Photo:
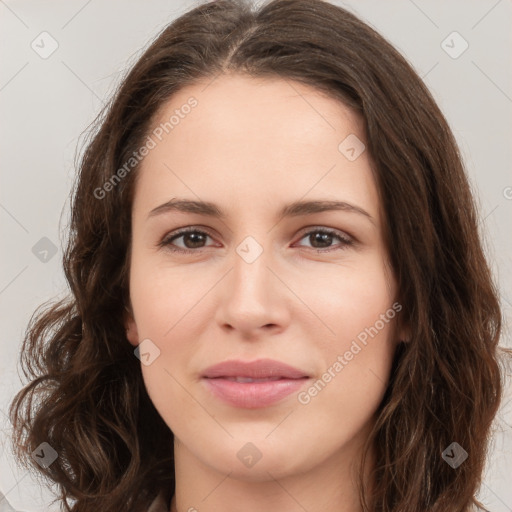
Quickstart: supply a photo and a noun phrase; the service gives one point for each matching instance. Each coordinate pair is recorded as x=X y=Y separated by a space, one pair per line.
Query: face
x=311 y=288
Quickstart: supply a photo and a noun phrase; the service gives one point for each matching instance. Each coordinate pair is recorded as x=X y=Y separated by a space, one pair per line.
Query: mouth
x=255 y=384
x=249 y=379
x=258 y=369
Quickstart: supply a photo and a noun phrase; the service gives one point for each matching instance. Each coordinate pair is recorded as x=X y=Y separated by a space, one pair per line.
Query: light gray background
x=46 y=104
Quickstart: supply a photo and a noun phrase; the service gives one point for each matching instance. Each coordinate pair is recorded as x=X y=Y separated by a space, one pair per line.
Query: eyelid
x=178 y=233
x=347 y=239
x=338 y=232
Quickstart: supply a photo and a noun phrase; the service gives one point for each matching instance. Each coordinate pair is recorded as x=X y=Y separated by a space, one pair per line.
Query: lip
x=280 y=381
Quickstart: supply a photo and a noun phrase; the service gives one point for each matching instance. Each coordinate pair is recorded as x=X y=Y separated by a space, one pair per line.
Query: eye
x=193 y=239
x=322 y=238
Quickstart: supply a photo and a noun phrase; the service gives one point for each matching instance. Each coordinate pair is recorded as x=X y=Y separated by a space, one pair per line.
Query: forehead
x=238 y=107
x=268 y=137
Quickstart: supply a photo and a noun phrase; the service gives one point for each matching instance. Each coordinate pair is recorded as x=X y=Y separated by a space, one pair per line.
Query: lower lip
x=251 y=395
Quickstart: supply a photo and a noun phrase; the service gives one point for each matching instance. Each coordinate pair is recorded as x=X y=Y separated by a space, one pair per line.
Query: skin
x=251 y=146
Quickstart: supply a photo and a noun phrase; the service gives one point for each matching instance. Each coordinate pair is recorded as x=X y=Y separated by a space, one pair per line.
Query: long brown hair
x=86 y=397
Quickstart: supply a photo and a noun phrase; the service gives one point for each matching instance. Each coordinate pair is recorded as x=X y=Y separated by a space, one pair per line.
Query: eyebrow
x=295 y=209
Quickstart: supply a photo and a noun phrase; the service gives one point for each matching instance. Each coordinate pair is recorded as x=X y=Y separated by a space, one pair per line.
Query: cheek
x=359 y=309
x=342 y=401
x=346 y=298
x=167 y=306
x=163 y=296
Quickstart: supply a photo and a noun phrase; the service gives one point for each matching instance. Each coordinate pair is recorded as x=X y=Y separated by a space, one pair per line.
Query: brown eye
x=322 y=239
x=193 y=240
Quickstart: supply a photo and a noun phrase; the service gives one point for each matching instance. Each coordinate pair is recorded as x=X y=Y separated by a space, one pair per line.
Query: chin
x=259 y=460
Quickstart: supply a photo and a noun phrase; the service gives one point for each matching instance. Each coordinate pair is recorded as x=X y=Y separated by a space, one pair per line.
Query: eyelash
x=166 y=242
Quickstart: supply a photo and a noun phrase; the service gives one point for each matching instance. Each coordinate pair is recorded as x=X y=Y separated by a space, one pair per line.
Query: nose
x=253 y=299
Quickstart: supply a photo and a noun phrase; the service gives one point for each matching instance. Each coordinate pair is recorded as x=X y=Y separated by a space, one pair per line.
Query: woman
x=279 y=296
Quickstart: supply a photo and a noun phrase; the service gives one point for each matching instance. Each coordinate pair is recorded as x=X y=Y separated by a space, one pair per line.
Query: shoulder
x=160 y=504
x=476 y=508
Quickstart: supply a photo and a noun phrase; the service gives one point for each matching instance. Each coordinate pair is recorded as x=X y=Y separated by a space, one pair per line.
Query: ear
x=403 y=331
x=405 y=334
x=132 y=334
x=402 y=327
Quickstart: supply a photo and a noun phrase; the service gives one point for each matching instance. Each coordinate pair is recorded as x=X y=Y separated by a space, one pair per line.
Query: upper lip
x=259 y=369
